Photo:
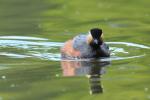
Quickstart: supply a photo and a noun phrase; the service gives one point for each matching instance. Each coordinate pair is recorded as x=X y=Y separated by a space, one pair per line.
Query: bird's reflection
x=92 y=69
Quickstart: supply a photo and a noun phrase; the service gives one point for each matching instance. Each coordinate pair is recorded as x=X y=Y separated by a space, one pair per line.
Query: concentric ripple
x=20 y=47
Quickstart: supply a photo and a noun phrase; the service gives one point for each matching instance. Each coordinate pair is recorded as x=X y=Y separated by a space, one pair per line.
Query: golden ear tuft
x=89 y=38
x=102 y=36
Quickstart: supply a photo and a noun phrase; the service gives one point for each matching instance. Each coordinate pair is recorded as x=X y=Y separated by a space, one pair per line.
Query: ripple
x=27 y=44
x=22 y=38
x=21 y=47
x=130 y=44
x=13 y=55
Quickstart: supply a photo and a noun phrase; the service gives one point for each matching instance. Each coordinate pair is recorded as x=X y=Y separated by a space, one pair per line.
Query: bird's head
x=94 y=38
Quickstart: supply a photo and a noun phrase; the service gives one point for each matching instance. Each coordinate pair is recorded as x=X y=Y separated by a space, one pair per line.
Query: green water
x=32 y=32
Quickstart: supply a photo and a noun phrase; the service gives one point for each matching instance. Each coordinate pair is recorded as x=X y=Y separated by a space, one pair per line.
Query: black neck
x=95 y=46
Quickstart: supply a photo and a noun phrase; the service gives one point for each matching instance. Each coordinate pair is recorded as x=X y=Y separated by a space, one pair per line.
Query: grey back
x=79 y=43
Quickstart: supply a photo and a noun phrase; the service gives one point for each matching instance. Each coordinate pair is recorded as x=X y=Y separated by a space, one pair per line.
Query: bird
x=90 y=45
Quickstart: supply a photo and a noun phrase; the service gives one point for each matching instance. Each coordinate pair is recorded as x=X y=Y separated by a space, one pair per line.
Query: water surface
x=32 y=32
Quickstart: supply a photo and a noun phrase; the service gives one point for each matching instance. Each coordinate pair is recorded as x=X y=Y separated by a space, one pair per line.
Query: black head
x=96 y=33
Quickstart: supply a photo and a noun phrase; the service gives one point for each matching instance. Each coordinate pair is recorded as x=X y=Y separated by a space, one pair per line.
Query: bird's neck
x=96 y=47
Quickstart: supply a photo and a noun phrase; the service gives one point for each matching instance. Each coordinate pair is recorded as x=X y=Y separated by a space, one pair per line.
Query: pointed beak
x=95 y=41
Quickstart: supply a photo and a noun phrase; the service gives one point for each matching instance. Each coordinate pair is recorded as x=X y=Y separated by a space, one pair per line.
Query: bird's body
x=79 y=43
x=80 y=47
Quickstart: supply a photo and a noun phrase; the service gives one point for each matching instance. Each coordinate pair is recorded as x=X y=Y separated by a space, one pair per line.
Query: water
x=32 y=32
x=43 y=49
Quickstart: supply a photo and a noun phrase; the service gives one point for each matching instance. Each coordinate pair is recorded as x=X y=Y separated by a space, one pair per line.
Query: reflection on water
x=42 y=48
x=92 y=69
x=21 y=47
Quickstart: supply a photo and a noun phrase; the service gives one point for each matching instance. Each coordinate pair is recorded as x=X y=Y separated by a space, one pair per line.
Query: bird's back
x=79 y=43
